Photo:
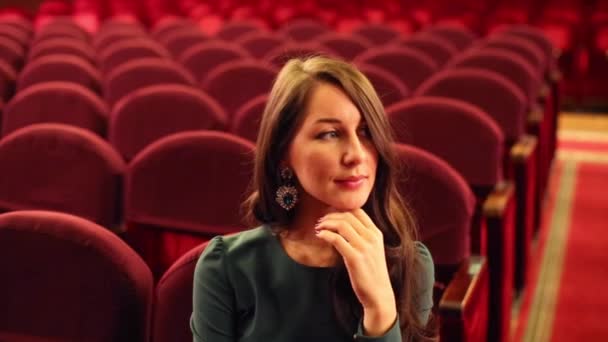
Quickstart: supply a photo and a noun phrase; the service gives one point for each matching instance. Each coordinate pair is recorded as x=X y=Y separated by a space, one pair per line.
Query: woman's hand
x=361 y=244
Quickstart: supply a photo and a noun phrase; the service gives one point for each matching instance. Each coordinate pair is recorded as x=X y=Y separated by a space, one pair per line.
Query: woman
x=334 y=257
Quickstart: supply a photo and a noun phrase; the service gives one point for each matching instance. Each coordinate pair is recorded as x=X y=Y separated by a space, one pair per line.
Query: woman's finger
x=352 y=220
x=342 y=246
x=366 y=221
x=343 y=228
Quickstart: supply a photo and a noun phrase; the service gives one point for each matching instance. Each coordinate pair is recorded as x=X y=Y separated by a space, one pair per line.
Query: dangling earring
x=287 y=194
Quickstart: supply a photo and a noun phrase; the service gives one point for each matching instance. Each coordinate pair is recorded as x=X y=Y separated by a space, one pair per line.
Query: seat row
x=110 y=276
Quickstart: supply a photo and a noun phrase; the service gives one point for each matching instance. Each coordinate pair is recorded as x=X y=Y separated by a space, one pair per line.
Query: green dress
x=247 y=289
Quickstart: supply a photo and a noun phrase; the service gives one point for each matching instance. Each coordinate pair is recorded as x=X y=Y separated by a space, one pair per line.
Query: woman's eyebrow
x=328 y=120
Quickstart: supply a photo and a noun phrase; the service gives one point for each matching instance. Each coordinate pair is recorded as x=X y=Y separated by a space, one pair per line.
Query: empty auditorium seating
x=129 y=50
x=443 y=205
x=246 y=121
x=69 y=279
x=183 y=189
x=252 y=78
x=64 y=68
x=63 y=168
x=151 y=113
x=64 y=47
x=259 y=43
x=140 y=73
x=201 y=58
x=56 y=102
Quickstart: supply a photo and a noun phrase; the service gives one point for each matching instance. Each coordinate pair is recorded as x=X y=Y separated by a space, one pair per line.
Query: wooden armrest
x=523 y=149
x=496 y=203
x=544 y=91
x=463 y=307
x=499 y=215
x=535 y=115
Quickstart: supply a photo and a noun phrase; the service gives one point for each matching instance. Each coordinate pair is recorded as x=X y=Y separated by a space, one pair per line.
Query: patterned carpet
x=565 y=300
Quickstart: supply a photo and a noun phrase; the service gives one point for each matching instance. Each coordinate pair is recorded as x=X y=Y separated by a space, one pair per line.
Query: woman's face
x=332 y=154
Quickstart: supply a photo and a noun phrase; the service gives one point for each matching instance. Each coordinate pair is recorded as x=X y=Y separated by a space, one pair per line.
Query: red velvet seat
x=156 y=106
x=64 y=68
x=202 y=58
x=281 y=54
x=8 y=78
x=173 y=305
x=95 y=287
x=11 y=53
x=183 y=189
x=129 y=50
x=56 y=102
x=389 y=88
x=303 y=30
x=246 y=121
x=104 y=40
x=346 y=46
x=459 y=36
x=234 y=83
x=140 y=73
x=165 y=27
x=180 y=40
x=15 y=35
x=63 y=168
x=412 y=67
x=471 y=142
x=377 y=34
x=62 y=46
x=233 y=31
x=443 y=206
x=259 y=43
x=439 y=49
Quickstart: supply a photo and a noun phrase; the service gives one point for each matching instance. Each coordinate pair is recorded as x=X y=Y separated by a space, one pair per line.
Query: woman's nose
x=354 y=152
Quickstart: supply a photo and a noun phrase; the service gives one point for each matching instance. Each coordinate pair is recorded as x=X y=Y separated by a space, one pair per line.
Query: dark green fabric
x=246 y=289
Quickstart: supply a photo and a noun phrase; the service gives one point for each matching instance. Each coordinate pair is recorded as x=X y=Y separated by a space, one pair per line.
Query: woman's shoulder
x=232 y=245
x=426 y=266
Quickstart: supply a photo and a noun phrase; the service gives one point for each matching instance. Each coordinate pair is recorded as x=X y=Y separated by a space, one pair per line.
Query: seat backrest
x=377 y=34
x=163 y=28
x=458 y=35
x=259 y=43
x=173 y=305
x=389 y=88
x=234 y=83
x=531 y=53
x=16 y=35
x=535 y=36
x=440 y=50
x=64 y=68
x=192 y=182
x=59 y=32
x=281 y=54
x=58 y=102
x=303 y=30
x=180 y=40
x=140 y=73
x=8 y=78
x=508 y=64
x=62 y=46
x=346 y=46
x=201 y=58
x=246 y=121
x=234 y=30
x=11 y=53
x=411 y=66
x=96 y=288
x=105 y=40
x=456 y=131
x=441 y=201
x=165 y=109
x=128 y=50
x=493 y=93
x=63 y=168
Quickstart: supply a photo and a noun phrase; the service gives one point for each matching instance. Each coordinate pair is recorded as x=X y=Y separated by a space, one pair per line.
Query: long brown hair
x=282 y=116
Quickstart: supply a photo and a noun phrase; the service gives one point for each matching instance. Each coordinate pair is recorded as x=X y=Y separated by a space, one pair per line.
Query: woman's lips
x=350 y=183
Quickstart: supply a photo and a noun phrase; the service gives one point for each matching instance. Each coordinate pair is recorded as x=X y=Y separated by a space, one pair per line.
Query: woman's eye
x=328 y=134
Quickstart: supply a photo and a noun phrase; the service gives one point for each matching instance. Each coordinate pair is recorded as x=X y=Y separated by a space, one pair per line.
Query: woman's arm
x=213 y=299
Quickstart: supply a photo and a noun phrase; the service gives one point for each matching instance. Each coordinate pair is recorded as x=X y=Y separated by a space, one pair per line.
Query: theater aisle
x=567 y=300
